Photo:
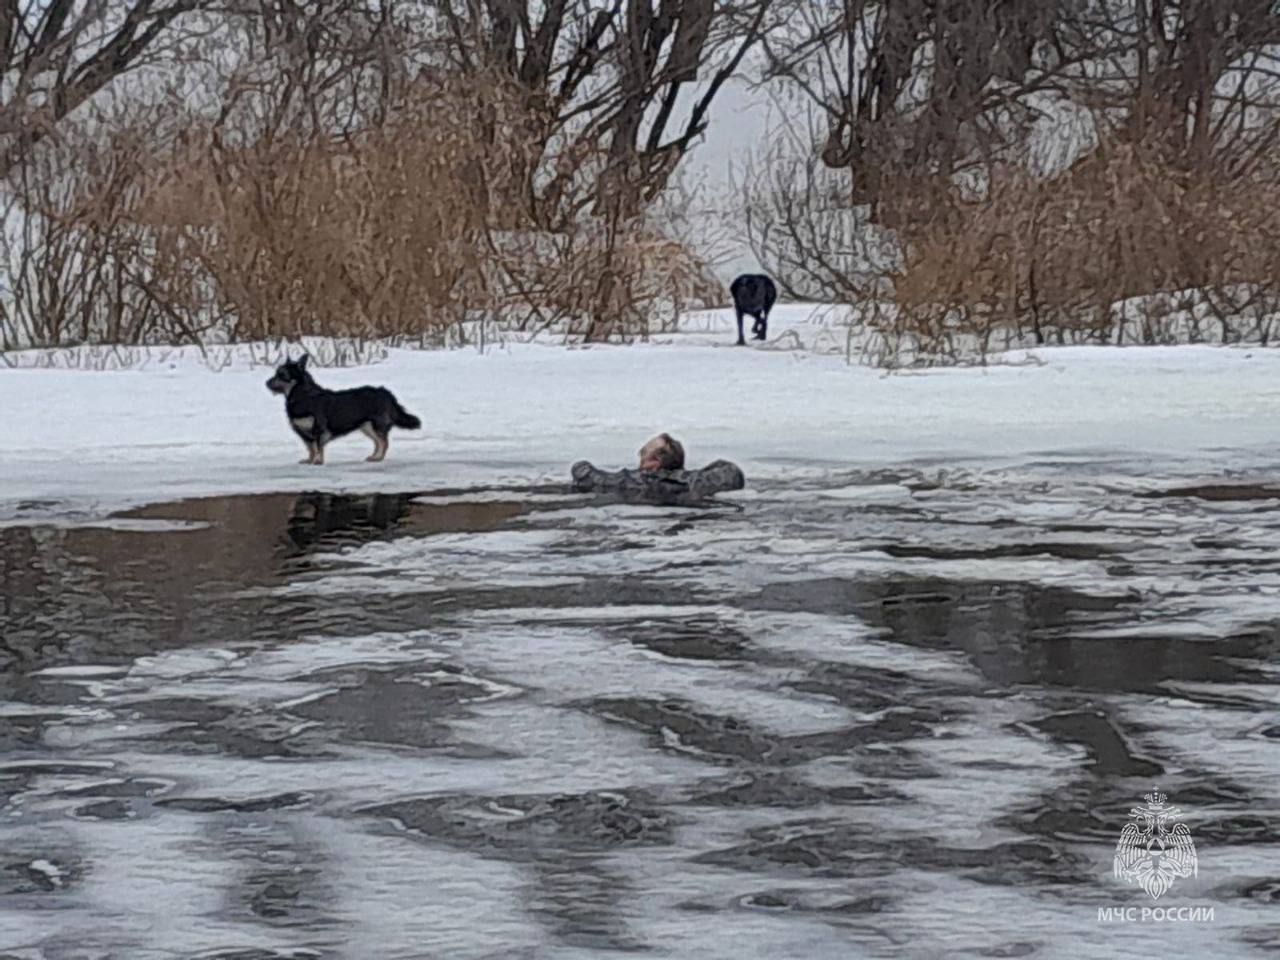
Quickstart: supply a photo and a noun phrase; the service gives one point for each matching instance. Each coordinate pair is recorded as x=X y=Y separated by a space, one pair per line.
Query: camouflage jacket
x=659 y=486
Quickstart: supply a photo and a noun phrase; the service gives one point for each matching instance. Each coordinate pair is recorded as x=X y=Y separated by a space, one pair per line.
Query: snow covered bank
x=94 y=440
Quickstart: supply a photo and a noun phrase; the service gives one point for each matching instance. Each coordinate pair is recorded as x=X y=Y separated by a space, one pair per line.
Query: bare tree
x=360 y=167
x=1199 y=79
x=637 y=78
x=914 y=91
x=934 y=117
x=57 y=54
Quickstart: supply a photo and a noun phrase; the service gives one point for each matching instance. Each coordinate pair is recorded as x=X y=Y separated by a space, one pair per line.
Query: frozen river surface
x=877 y=715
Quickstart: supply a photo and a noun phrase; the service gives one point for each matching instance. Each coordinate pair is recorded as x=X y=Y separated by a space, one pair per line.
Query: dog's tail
x=401 y=417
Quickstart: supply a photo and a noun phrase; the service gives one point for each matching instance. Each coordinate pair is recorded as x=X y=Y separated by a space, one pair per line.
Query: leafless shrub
x=357 y=170
x=80 y=268
x=817 y=245
x=595 y=283
x=403 y=229
x=376 y=235
x=324 y=352
x=1097 y=255
x=1043 y=173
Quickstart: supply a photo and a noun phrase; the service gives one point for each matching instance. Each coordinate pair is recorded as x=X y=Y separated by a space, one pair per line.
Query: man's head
x=663 y=452
x=288 y=375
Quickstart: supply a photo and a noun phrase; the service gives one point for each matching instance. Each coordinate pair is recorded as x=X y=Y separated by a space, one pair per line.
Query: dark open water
x=885 y=716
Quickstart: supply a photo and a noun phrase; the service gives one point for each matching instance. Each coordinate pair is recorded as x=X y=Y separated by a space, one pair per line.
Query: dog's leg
x=311 y=452
x=741 y=341
x=379 y=438
x=323 y=436
x=762 y=326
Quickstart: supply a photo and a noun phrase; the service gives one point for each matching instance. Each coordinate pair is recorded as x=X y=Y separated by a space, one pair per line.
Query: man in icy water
x=661 y=477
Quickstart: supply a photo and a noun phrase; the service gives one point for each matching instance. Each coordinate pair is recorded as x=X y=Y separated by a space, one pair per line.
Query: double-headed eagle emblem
x=1154 y=848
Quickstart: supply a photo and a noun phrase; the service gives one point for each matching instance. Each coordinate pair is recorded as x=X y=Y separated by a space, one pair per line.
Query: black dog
x=753 y=294
x=318 y=415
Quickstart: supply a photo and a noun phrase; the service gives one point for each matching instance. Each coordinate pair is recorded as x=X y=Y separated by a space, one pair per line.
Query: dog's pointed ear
x=302 y=361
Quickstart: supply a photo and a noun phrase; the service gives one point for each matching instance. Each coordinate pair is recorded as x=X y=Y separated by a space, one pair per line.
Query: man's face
x=651 y=454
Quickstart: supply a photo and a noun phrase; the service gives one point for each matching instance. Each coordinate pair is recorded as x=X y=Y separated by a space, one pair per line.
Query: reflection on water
x=887 y=715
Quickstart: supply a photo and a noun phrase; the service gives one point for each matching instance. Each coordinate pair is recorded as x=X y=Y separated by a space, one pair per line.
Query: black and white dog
x=318 y=415
x=754 y=295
